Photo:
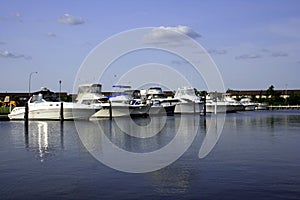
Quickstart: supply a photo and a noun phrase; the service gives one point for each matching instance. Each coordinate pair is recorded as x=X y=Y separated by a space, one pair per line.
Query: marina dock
x=285 y=107
x=4 y=117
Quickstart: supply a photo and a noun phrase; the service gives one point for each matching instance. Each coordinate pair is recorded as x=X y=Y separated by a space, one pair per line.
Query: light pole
x=59 y=90
x=30 y=82
x=286 y=95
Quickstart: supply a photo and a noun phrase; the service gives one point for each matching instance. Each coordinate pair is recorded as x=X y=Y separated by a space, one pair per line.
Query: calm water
x=257 y=156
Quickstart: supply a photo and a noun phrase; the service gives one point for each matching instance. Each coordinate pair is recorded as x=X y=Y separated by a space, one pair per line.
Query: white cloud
x=51 y=34
x=179 y=62
x=18 y=17
x=217 y=51
x=70 y=20
x=248 y=56
x=170 y=35
x=275 y=53
x=8 y=54
x=279 y=54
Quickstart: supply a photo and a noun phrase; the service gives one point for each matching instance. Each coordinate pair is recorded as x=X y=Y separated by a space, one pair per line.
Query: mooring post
x=194 y=107
x=204 y=108
x=215 y=110
x=61 y=114
x=110 y=110
x=26 y=117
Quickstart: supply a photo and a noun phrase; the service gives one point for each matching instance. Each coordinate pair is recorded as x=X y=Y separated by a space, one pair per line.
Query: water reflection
x=171 y=180
x=262 y=120
x=215 y=125
x=44 y=137
x=154 y=145
x=258 y=150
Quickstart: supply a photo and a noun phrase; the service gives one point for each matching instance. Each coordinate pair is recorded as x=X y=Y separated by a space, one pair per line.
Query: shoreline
x=4 y=117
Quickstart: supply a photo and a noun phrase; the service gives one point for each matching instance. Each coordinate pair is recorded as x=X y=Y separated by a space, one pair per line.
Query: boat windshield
x=95 y=88
x=183 y=92
x=36 y=98
x=155 y=96
x=51 y=98
x=94 y=101
x=132 y=94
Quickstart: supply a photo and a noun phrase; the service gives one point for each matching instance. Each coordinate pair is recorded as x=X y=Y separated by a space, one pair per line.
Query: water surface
x=257 y=156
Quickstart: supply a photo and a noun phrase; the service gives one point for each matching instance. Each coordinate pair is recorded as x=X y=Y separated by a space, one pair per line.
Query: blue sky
x=253 y=43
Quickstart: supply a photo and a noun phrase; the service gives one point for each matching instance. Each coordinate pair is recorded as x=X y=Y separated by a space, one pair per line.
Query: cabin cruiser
x=248 y=104
x=44 y=105
x=159 y=102
x=215 y=103
x=189 y=101
x=220 y=103
x=262 y=106
x=232 y=105
x=124 y=104
x=91 y=94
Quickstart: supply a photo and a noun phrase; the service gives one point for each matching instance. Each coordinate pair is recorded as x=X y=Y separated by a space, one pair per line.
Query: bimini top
x=45 y=94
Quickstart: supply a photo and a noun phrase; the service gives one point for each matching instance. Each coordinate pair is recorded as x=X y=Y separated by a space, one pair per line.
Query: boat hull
x=212 y=108
x=162 y=110
x=189 y=108
x=250 y=107
x=223 y=108
x=69 y=113
x=261 y=106
x=121 y=111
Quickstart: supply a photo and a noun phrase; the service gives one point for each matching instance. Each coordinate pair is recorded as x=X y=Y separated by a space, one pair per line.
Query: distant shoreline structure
x=261 y=93
x=232 y=93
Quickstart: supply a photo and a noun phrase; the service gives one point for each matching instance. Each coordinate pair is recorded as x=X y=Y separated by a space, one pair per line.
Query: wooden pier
x=285 y=107
x=4 y=117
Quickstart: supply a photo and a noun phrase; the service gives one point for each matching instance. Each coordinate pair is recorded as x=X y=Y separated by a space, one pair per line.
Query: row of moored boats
x=91 y=104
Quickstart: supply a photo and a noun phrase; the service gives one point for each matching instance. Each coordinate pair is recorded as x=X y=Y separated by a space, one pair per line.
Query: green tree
x=293 y=99
x=270 y=91
x=273 y=97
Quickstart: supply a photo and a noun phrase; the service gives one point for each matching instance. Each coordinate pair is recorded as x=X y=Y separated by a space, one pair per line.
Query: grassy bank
x=4 y=110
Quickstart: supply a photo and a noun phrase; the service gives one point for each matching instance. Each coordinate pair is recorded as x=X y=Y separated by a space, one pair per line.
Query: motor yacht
x=220 y=103
x=124 y=104
x=262 y=106
x=91 y=94
x=159 y=102
x=189 y=102
x=45 y=105
x=248 y=104
x=232 y=105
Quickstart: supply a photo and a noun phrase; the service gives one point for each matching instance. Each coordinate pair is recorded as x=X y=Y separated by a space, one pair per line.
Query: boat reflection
x=43 y=138
x=140 y=145
x=170 y=180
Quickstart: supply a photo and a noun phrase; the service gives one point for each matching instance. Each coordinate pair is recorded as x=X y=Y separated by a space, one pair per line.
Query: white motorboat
x=91 y=94
x=215 y=104
x=159 y=102
x=218 y=103
x=262 y=106
x=189 y=101
x=44 y=105
x=232 y=105
x=124 y=104
x=248 y=104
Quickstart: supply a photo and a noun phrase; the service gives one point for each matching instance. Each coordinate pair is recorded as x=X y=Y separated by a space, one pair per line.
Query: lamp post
x=286 y=93
x=59 y=90
x=30 y=82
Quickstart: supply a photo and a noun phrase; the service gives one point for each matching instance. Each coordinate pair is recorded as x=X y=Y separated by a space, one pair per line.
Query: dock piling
x=61 y=114
x=26 y=114
x=204 y=108
x=110 y=110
